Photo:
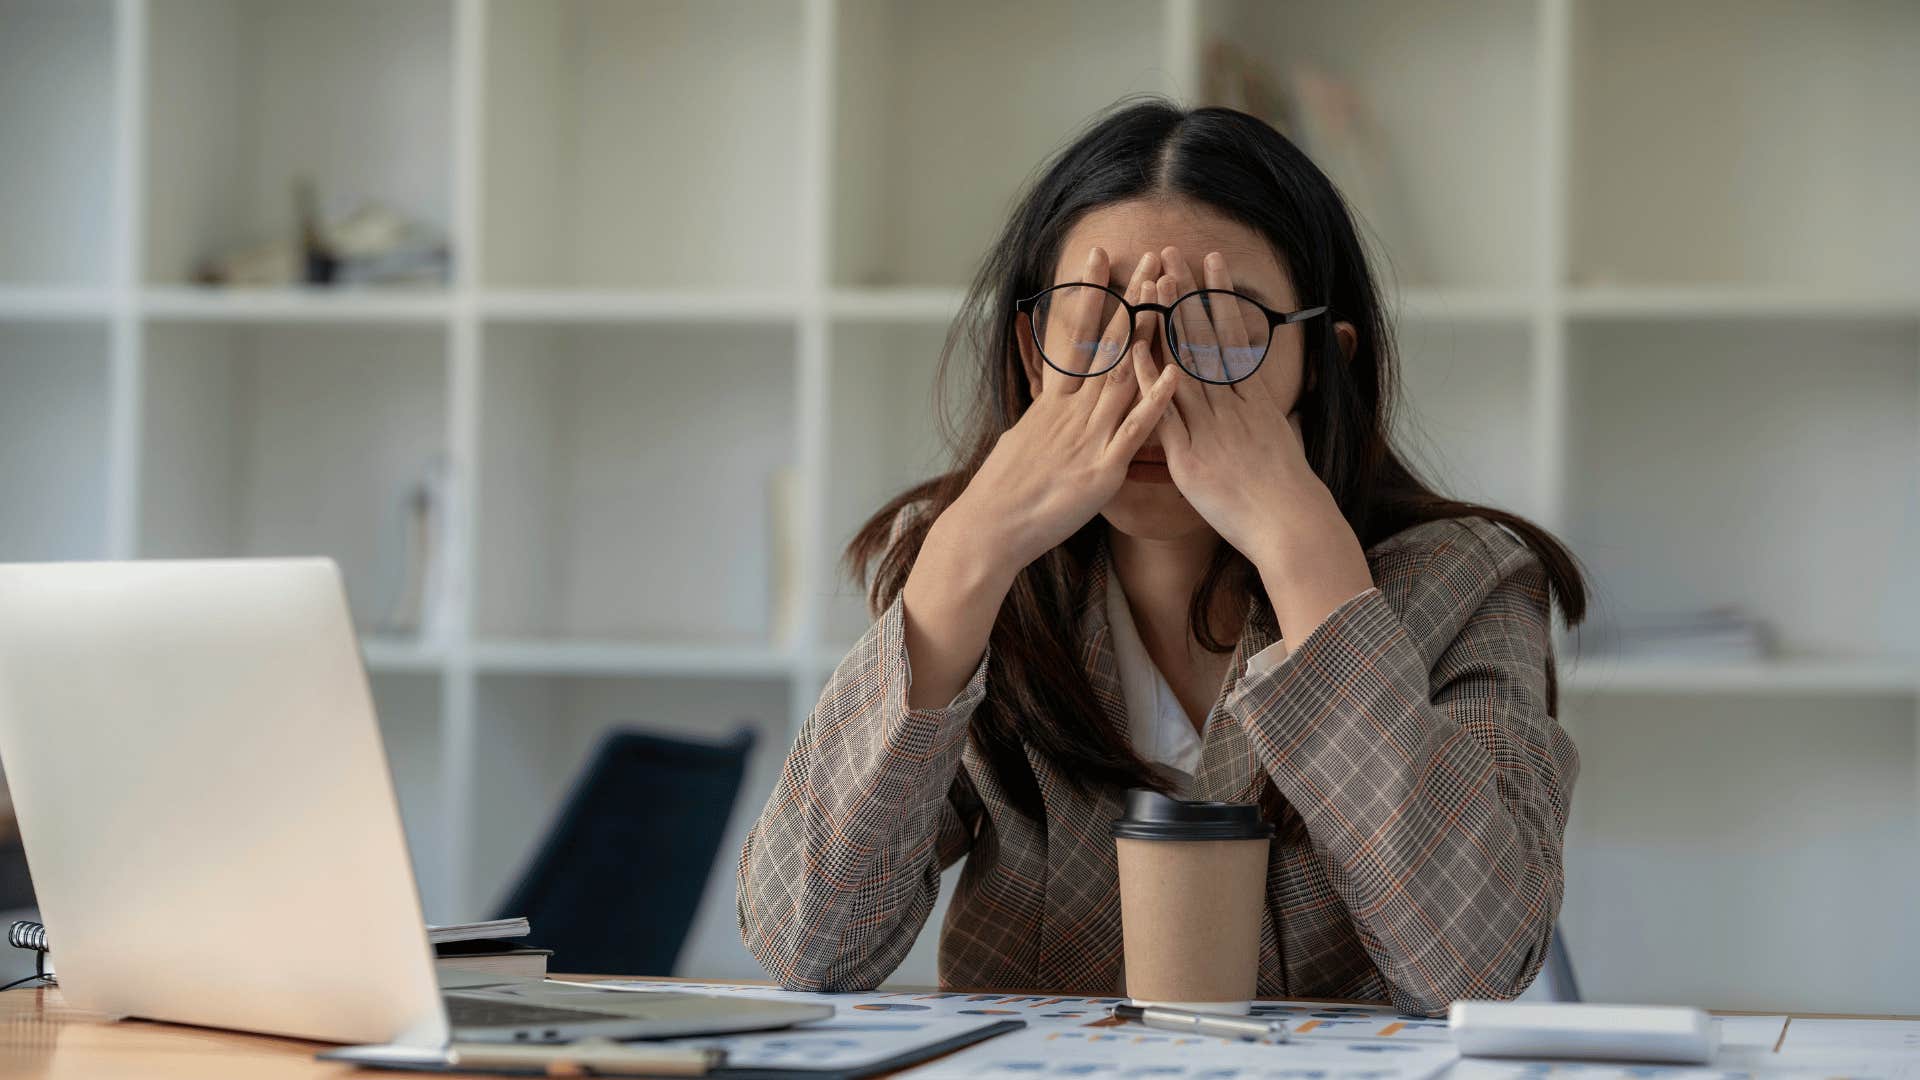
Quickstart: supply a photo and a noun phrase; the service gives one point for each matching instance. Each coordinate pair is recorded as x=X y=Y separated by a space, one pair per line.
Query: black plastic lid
x=1153 y=816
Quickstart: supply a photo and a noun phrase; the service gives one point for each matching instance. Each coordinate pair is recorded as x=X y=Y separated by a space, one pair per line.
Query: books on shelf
x=1329 y=116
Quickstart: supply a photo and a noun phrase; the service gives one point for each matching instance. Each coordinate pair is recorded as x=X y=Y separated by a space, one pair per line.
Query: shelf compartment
x=626 y=658
x=1831 y=675
x=1702 y=825
x=1738 y=302
x=629 y=475
x=57 y=142
x=1465 y=418
x=942 y=111
x=253 y=94
x=308 y=305
x=54 y=408
x=536 y=734
x=294 y=440
x=1764 y=465
x=930 y=305
x=401 y=653
x=642 y=145
x=882 y=438
x=1735 y=142
x=1450 y=307
x=722 y=306
x=1447 y=186
x=32 y=304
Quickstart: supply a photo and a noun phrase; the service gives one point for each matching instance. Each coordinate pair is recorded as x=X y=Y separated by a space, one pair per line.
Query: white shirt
x=1157 y=725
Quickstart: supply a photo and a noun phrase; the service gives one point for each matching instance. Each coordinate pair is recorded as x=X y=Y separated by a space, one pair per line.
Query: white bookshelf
x=1652 y=265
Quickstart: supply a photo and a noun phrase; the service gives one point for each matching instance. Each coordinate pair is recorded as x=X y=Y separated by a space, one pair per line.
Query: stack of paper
x=1132 y=1051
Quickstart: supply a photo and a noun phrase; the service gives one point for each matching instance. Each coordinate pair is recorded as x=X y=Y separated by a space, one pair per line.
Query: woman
x=1180 y=553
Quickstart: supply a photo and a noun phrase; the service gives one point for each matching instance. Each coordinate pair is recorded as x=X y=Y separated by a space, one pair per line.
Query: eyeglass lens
x=1082 y=330
x=1219 y=337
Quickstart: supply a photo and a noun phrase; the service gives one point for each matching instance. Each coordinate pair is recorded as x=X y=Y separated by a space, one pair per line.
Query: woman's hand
x=1237 y=455
x=1047 y=476
x=1067 y=456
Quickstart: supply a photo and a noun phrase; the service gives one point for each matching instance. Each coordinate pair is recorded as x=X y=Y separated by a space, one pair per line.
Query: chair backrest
x=1562 y=984
x=617 y=882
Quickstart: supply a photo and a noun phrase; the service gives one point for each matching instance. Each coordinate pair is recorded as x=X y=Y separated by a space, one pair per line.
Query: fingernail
x=1216 y=261
x=1093 y=256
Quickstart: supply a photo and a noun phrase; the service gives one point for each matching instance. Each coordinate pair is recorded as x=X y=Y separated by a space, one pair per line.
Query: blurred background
x=583 y=333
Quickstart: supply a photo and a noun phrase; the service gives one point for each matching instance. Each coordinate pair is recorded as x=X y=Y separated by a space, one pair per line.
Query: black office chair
x=1560 y=980
x=616 y=884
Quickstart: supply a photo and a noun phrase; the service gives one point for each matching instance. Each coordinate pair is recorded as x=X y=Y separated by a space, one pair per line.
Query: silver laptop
x=212 y=829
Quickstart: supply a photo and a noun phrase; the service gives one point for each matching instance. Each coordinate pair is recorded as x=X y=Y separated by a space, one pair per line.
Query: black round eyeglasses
x=1215 y=335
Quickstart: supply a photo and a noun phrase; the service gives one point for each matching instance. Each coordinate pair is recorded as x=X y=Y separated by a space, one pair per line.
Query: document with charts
x=1832 y=1065
x=1132 y=1051
x=1307 y=1020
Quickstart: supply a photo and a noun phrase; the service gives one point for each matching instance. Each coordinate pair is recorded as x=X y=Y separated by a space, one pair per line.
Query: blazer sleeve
x=839 y=873
x=1438 y=791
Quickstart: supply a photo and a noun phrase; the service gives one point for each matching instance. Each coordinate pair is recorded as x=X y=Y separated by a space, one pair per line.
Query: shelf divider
x=459 y=725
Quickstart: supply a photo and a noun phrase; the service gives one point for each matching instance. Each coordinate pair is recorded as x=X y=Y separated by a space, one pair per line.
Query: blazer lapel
x=1096 y=636
x=1228 y=771
x=1080 y=918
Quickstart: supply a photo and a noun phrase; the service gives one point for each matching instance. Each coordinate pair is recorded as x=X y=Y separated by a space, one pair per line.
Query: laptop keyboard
x=481 y=1012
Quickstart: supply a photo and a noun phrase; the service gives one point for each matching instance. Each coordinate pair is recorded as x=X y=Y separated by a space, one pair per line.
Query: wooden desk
x=40 y=1036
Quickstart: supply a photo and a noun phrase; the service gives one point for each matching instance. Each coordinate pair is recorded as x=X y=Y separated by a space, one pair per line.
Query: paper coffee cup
x=1193 y=878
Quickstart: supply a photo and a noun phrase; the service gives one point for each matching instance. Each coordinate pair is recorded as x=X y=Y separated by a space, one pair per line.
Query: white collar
x=1156 y=724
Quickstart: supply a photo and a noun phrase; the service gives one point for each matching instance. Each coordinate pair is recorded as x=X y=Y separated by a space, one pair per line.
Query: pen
x=1196 y=1023
x=588 y=1057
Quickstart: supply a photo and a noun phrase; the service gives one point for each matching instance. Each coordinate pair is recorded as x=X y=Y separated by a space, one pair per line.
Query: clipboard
x=413 y=1059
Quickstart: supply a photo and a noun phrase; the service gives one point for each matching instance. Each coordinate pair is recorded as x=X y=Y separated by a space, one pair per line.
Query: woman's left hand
x=1237 y=454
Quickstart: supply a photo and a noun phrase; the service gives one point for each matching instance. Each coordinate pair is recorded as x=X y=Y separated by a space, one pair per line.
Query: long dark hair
x=1038 y=694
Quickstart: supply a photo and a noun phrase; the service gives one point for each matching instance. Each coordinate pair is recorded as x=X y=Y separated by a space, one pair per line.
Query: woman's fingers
x=1191 y=393
x=1073 y=322
x=1169 y=425
x=1119 y=388
x=1118 y=332
x=1112 y=349
x=1227 y=319
x=1199 y=345
x=1144 y=417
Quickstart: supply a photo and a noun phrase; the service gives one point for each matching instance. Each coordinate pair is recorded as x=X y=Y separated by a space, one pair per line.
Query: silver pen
x=1220 y=1026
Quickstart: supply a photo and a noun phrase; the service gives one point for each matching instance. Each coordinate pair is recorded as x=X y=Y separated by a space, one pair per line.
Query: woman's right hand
x=1047 y=476
x=1067 y=455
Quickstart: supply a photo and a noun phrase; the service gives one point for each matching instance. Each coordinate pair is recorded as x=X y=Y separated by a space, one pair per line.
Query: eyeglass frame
x=1165 y=311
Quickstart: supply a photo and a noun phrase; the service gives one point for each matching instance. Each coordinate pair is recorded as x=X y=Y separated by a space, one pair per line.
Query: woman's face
x=1149 y=506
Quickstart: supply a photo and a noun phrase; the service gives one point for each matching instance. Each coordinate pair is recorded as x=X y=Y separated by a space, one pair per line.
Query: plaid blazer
x=1423 y=781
